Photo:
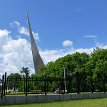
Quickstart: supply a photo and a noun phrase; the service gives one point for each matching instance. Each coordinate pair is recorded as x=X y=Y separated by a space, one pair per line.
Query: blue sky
x=61 y=25
x=58 y=20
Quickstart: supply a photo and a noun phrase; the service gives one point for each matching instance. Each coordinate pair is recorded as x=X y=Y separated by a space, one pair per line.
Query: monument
x=37 y=60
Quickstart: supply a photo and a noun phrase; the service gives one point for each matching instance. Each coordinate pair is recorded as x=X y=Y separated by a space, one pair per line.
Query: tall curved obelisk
x=36 y=56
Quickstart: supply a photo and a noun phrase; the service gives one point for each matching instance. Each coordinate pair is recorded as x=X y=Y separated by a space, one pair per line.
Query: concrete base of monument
x=12 y=100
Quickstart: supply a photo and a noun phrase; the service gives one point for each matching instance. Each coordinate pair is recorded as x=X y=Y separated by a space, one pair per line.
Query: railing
x=49 y=85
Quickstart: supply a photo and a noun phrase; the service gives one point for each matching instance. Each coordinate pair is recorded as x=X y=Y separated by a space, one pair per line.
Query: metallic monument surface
x=36 y=56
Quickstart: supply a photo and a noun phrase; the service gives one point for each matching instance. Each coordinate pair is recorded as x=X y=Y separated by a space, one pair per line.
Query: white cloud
x=23 y=30
x=15 y=24
x=51 y=55
x=4 y=36
x=4 y=32
x=90 y=36
x=101 y=45
x=14 y=54
x=67 y=43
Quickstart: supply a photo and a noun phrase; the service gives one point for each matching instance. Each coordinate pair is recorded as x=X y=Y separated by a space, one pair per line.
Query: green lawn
x=73 y=103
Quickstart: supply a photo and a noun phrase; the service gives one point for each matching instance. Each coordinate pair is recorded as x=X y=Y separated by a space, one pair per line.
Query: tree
x=96 y=68
x=92 y=69
x=26 y=70
x=101 y=74
x=13 y=80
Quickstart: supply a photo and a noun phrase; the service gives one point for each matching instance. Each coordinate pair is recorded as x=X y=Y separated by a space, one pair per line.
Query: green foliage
x=26 y=70
x=13 y=80
x=75 y=62
x=92 y=70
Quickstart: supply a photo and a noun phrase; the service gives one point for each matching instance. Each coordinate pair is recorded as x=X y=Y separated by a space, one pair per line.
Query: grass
x=74 y=103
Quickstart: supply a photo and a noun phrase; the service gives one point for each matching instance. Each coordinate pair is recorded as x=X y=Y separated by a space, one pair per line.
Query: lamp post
x=65 y=80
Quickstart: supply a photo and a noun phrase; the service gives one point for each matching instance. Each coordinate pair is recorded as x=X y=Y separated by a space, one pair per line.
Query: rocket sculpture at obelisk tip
x=36 y=56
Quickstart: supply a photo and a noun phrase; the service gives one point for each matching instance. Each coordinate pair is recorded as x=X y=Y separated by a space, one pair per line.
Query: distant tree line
x=87 y=71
